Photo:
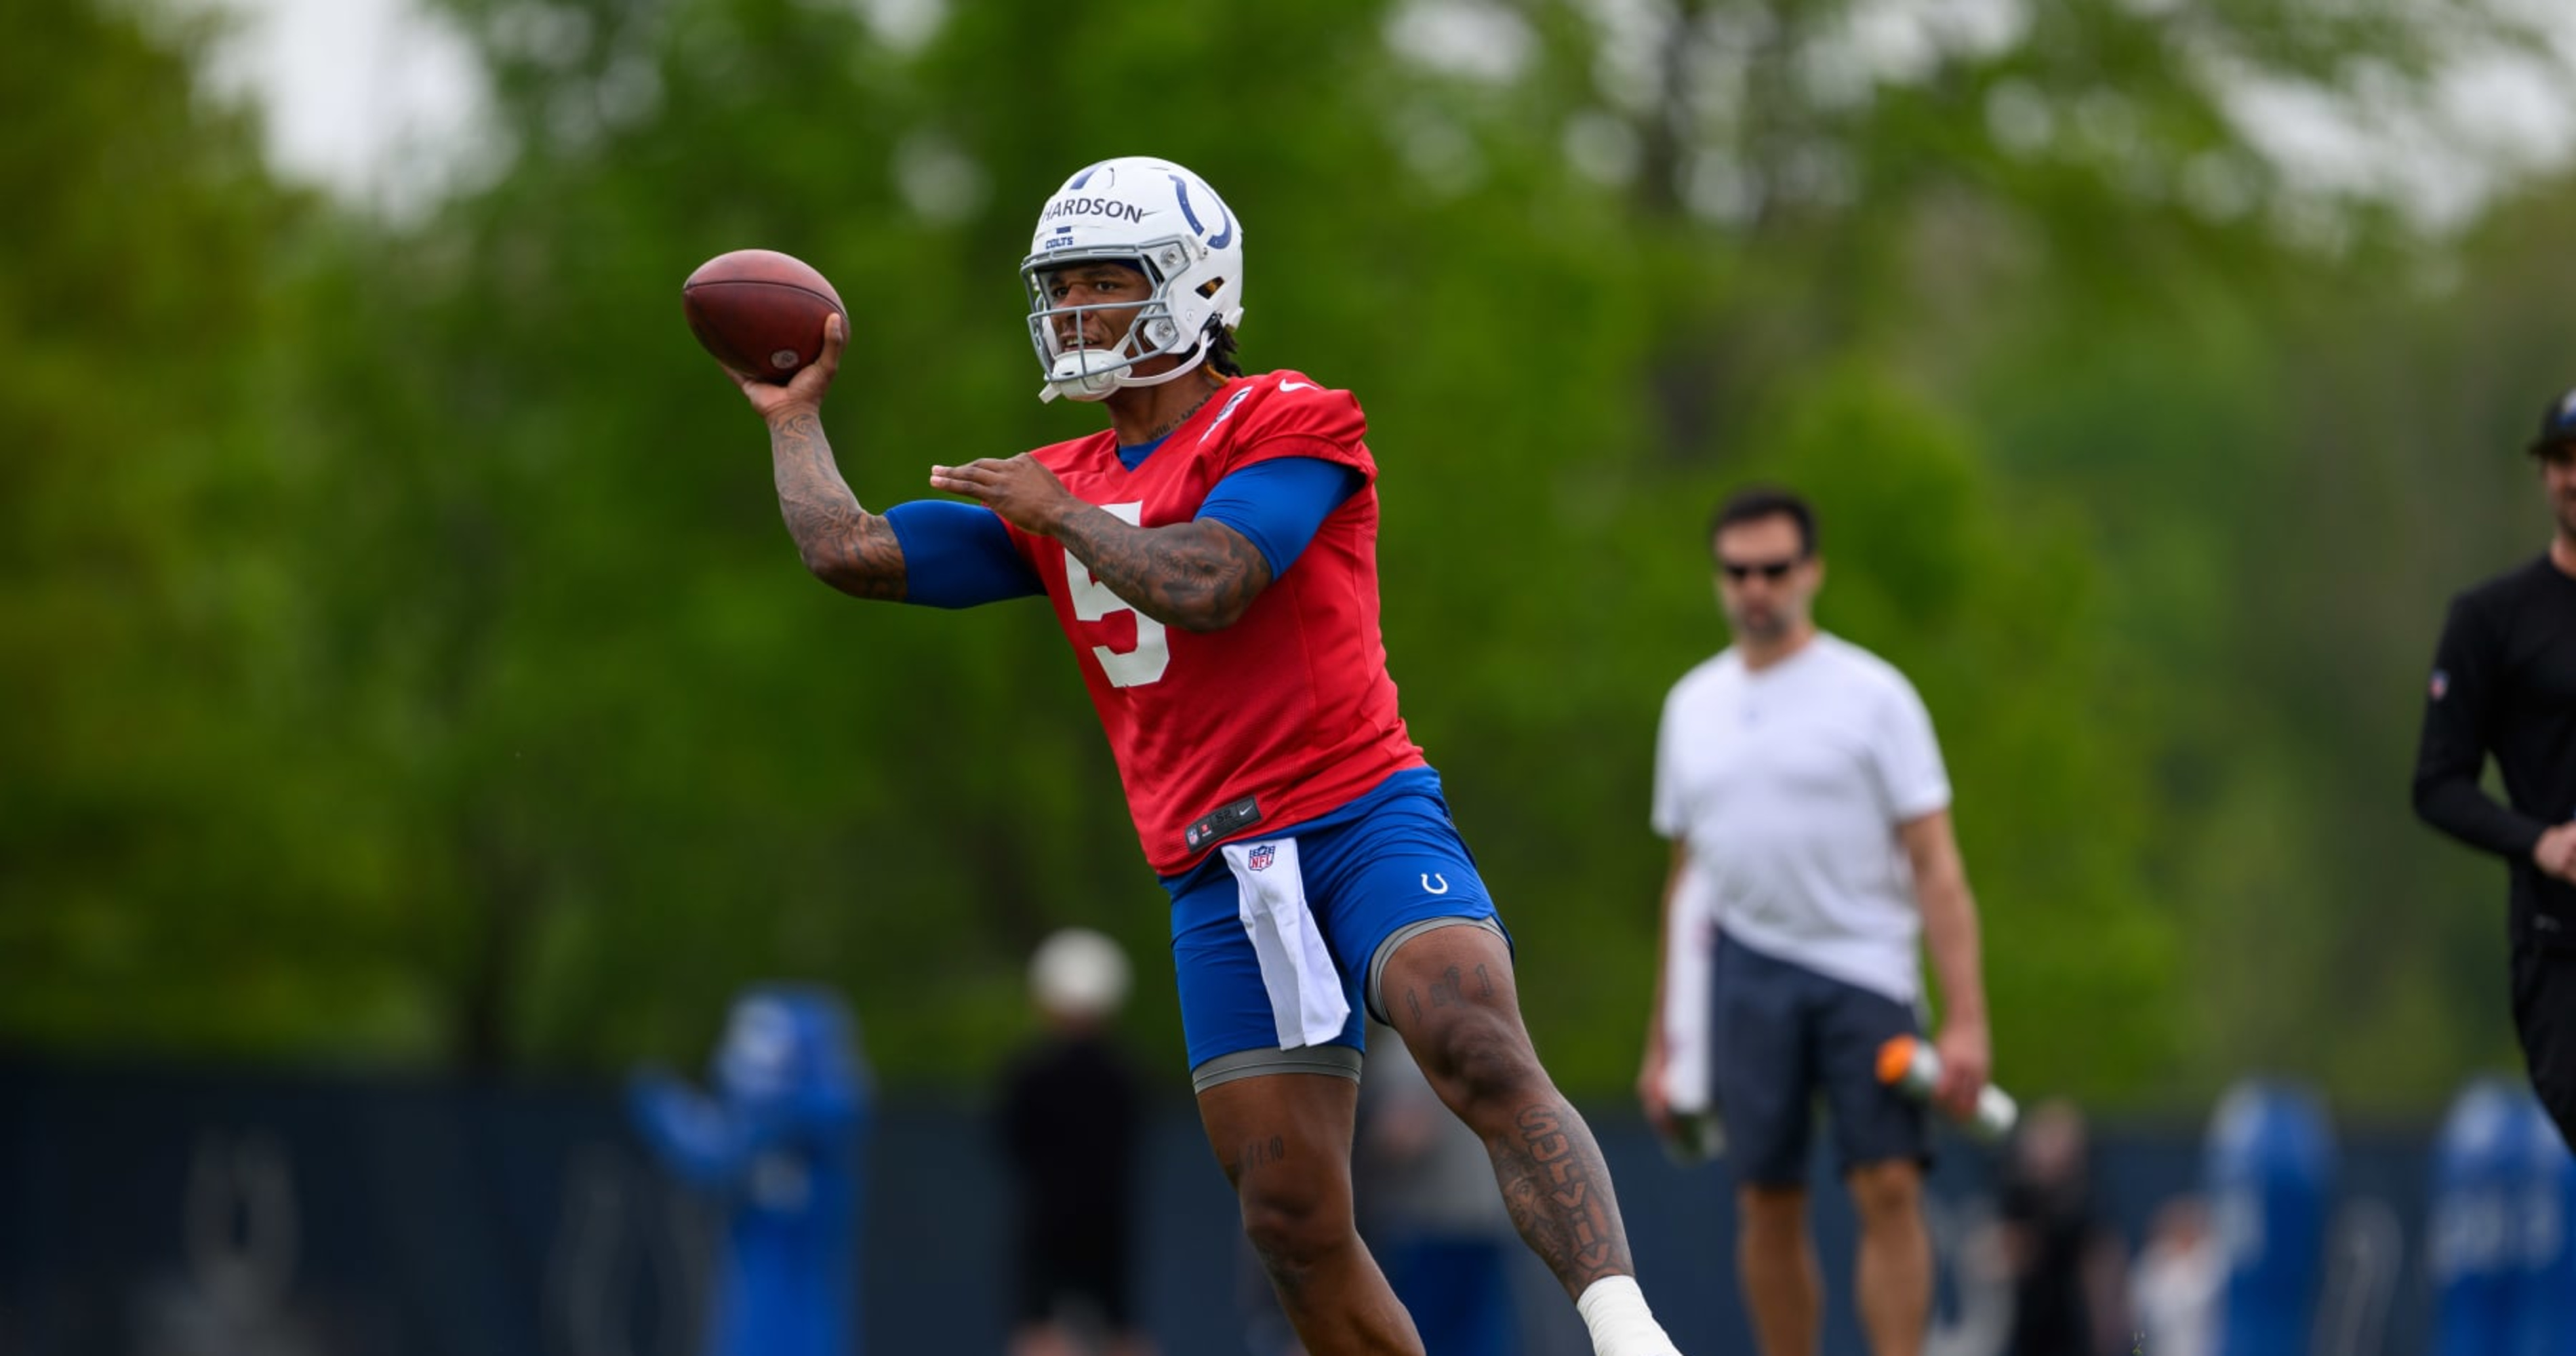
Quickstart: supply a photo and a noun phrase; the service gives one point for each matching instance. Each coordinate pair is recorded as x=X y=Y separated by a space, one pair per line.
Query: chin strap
x=1121 y=377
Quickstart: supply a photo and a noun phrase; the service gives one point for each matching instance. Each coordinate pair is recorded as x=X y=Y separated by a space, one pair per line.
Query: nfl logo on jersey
x=1259 y=858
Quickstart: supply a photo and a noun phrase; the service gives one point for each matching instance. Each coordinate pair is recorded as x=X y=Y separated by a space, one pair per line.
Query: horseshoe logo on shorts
x=1442 y=888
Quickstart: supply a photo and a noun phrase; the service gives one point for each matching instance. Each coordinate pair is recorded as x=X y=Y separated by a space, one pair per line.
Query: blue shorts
x=1784 y=1034
x=1274 y=937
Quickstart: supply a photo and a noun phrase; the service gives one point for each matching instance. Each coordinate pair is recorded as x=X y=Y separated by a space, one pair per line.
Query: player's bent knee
x=1288 y=1235
x=1478 y=1056
x=1292 y=1227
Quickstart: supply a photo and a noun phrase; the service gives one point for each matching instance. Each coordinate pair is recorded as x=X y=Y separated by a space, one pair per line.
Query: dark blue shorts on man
x=1782 y=1036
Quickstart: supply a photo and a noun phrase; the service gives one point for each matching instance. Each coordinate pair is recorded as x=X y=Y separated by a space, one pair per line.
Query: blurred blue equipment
x=2476 y=1160
x=2270 y=1169
x=2503 y=1264
x=2541 y=1285
x=779 y=1143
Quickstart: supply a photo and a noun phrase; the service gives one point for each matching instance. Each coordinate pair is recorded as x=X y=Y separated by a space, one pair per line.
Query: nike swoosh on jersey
x=1296 y=386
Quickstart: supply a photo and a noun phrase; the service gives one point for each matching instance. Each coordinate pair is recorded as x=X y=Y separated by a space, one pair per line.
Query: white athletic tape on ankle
x=1621 y=1324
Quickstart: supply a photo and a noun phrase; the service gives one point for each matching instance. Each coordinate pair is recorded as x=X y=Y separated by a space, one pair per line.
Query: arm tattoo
x=1558 y=1190
x=1198 y=576
x=845 y=546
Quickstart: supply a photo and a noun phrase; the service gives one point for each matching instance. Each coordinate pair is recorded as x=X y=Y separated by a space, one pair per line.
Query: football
x=760 y=312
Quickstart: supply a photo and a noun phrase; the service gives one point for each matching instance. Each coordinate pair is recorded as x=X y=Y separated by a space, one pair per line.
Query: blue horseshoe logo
x=1215 y=242
x=1442 y=888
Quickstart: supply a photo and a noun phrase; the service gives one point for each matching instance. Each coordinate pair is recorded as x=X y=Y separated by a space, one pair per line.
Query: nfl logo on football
x=1260 y=857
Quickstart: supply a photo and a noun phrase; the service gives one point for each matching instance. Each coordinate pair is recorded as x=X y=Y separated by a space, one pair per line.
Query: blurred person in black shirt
x=2065 y=1264
x=1070 y=1120
x=2504 y=685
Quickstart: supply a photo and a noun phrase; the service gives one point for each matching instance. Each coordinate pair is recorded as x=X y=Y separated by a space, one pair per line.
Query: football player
x=1211 y=558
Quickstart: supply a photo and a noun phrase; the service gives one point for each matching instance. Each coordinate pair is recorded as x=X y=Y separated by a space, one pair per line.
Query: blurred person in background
x=2063 y=1260
x=2175 y=1287
x=1427 y=1207
x=1070 y=1117
x=1211 y=558
x=1807 y=804
x=2504 y=686
x=779 y=1145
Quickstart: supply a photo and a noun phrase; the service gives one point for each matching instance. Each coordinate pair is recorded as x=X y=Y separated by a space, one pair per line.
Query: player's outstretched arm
x=1199 y=575
x=845 y=546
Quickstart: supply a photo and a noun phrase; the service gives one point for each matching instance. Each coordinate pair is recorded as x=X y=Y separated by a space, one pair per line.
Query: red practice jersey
x=1290 y=709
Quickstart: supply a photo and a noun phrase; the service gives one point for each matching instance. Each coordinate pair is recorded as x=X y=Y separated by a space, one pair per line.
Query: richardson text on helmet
x=1095 y=207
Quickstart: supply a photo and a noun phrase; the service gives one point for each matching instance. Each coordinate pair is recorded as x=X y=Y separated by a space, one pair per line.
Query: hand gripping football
x=760 y=312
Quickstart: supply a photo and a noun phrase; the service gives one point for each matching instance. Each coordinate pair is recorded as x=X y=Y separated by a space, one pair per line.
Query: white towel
x=1689 y=954
x=1306 y=1002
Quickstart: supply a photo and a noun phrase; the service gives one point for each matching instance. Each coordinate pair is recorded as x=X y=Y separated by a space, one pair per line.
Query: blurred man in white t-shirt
x=1799 y=782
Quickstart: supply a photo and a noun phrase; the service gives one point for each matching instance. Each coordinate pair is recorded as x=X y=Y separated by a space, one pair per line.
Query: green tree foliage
x=172 y=870
x=404 y=658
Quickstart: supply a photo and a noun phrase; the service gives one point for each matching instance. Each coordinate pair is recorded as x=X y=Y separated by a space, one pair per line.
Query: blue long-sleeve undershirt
x=959 y=554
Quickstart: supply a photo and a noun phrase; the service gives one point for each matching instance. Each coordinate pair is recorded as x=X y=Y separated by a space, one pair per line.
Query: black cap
x=2557 y=427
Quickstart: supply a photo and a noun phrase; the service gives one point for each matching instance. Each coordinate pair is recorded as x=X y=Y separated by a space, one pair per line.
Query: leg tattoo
x=1558 y=1191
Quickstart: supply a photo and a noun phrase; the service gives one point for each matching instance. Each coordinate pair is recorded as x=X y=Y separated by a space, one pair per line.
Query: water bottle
x=1912 y=1066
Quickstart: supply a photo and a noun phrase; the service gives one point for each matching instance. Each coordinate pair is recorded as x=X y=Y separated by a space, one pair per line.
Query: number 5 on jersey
x=1092 y=601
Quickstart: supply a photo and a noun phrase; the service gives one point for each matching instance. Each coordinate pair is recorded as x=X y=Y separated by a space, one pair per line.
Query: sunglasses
x=1772 y=571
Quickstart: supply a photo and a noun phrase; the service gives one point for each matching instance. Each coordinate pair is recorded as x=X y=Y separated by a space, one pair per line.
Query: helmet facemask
x=1080 y=370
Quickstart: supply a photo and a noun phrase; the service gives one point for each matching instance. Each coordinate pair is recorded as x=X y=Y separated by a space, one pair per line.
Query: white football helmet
x=1155 y=216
